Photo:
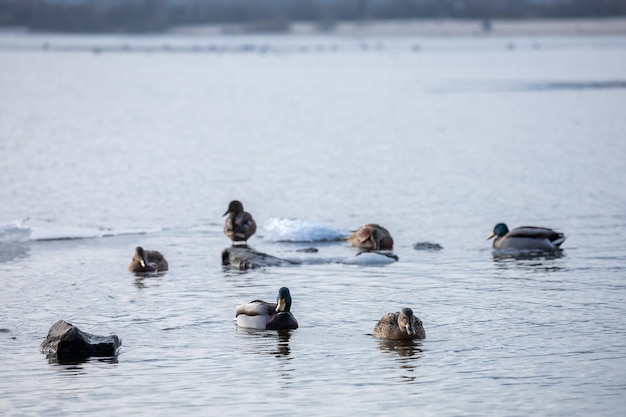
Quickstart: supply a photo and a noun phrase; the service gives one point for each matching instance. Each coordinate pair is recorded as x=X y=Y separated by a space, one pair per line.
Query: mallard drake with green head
x=371 y=237
x=259 y=314
x=239 y=225
x=402 y=325
x=530 y=238
x=147 y=261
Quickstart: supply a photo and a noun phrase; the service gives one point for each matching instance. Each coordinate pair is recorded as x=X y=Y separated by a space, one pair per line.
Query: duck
x=262 y=315
x=239 y=225
x=371 y=237
x=530 y=238
x=401 y=325
x=147 y=261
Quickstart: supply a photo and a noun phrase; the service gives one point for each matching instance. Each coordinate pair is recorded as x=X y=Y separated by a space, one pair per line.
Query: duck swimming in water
x=259 y=314
x=371 y=237
x=147 y=261
x=239 y=225
x=402 y=325
x=529 y=238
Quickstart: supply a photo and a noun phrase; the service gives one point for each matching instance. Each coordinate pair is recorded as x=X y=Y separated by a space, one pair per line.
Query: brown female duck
x=147 y=261
x=402 y=325
x=239 y=225
x=371 y=237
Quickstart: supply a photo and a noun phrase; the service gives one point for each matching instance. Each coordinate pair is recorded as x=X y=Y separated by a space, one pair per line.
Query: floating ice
x=14 y=232
x=71 y=233
x=296 y=230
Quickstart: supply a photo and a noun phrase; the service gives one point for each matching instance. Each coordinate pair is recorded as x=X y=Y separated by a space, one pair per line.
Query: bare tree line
x=157 y=15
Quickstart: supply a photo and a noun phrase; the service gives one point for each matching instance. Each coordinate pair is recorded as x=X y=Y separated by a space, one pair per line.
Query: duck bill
x=225 y=213
x=410 y=330
x=280 y=306
x=143 y=262
x=491 y=235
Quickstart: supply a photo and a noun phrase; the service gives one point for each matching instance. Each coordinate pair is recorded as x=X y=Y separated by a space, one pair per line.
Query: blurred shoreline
x=421 y=27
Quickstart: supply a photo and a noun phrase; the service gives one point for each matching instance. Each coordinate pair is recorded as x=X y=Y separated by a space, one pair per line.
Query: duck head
x=405 y=321
x=283 y=300
x=235 y=206
x=499 y=230
x=367 y=233
x=370 y=234
x=140 y=255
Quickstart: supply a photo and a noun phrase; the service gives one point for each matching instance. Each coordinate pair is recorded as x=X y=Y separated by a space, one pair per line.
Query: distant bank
x=424 y=27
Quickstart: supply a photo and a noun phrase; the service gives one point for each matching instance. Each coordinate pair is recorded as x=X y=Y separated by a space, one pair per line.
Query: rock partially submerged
x=244 y=257
x=66 y=341
x=308 y=250
x=429 y=246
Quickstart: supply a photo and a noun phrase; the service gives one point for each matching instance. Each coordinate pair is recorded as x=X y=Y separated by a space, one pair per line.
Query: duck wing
x=243 y=222
x=534 y=232
x=387 y=326
x=388 y=320
x=156 y=260
x=256 y=308
x=154 y=256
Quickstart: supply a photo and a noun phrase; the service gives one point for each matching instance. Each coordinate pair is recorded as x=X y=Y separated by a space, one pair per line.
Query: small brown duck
x=402 y=325
x=371 y=237
x=239 y=225
x=147 y=261
x=526 y=238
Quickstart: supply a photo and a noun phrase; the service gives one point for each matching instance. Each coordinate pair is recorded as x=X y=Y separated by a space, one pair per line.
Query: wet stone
x=66 y=341
x=243 y=257
x=427 y=246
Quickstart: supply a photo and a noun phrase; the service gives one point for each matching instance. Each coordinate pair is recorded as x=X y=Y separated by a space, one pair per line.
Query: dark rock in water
x=7 y=331
x=427 y=246
x=243 y=257
x=67 y=341
x=308 y=250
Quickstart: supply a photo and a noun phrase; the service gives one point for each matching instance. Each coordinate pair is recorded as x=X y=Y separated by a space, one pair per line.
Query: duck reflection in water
x=147 y=280
x=408 y=352
x=528 y=260
x=282 y=341
x=262 y=345
x=73 y=365
x=404 y=348
x=527 y=255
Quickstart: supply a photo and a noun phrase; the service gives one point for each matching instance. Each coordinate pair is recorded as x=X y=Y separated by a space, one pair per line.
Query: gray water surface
x=122 y=146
